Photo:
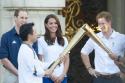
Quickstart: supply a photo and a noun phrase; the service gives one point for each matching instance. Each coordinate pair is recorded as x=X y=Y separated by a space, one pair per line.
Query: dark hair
x=59 y=36
x=16 y=13
x=25 y=30
x=104 y=14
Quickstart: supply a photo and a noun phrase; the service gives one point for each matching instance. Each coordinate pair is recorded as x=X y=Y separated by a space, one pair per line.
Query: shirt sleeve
x=124 y=43
x=32 y=63
x=39 y=68
x=2 y=53
x=4 y=47
x=88 y=47
x=0 y=41
x=40 y=47
x=66 y=42
x=35 y=47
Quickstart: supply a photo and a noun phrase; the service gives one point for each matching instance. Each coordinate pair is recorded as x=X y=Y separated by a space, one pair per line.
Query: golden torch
x=84 y=30
x=92 y=34
x=76 y=38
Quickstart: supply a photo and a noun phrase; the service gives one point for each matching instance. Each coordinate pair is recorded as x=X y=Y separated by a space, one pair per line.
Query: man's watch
x=89 y=67
x=118 y=58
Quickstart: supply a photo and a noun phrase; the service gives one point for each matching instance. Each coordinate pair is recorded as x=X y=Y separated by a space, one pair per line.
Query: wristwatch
x=118 y=58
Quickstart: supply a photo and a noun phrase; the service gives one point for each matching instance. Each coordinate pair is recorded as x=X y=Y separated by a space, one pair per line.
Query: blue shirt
x=2 y=52
x=10 y=44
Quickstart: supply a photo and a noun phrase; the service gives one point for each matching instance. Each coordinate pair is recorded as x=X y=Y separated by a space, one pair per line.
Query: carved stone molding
x=71 y=12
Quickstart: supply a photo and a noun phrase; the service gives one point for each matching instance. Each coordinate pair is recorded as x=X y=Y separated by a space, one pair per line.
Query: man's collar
x=113 y=35
x=14 y=31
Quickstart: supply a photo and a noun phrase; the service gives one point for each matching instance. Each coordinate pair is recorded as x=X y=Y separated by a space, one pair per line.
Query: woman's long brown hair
x=59 y=36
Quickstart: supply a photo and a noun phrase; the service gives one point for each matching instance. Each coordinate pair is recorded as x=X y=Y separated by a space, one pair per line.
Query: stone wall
x=37 y=9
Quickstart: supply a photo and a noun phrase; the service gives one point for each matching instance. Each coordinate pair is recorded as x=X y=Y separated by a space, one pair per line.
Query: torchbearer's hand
x=48 y=72
x=62 y=58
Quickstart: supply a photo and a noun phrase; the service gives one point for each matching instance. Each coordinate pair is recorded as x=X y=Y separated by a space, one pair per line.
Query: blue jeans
x=48 y=80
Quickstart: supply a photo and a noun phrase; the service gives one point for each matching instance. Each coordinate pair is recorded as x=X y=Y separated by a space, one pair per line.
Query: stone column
x=0 y=37
x=117 y=9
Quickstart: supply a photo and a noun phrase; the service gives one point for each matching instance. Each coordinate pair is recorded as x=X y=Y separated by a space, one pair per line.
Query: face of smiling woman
x=52 y=25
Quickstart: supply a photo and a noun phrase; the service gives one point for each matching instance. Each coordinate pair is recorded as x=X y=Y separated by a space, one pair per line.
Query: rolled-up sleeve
x=36 y=64
x=88 y=47
x=124 y=43
x=27 y=60
x=40 y=47
x=2 y=53
x=39 y=68
x=66 y=42
x=3 y=47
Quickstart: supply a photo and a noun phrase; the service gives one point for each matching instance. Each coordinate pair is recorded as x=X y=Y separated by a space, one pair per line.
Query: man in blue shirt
x=10 y=44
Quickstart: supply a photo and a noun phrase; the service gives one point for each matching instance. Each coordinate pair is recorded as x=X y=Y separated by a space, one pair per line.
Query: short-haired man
x=106 y=71
x=30 y=69
x=10 y=44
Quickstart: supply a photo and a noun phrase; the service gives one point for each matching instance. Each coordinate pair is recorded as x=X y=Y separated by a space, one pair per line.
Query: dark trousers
x=100 y=79
x=48 y=80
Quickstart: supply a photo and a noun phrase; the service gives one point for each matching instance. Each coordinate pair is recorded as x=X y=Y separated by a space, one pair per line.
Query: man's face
x=34 y=35
x=21 y=18
x=104 y=25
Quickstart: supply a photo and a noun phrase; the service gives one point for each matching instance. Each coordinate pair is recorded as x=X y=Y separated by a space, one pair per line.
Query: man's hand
x=9 y=66
x=93 y=72
x=113 y=56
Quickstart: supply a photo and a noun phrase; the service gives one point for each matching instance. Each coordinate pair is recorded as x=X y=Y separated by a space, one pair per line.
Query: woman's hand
x=48 y=72
x=53 y=78
x=60 y=78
